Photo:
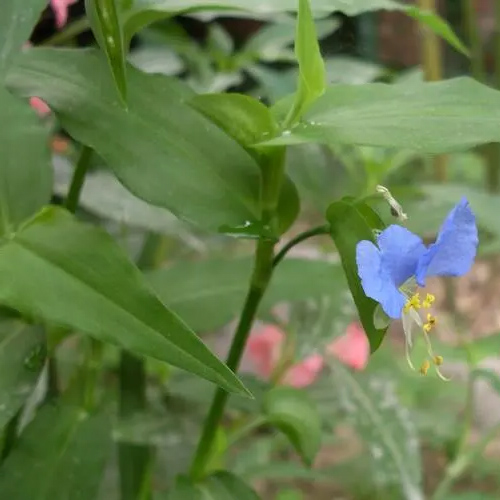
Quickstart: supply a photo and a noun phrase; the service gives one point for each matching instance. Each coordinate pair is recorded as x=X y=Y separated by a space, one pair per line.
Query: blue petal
x=401 y=251
x=377 y=283
x=455 y=248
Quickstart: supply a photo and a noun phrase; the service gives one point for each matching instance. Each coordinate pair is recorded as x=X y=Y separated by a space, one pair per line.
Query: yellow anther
x=438 y=360
x=429 y=299
x=414 y=303
x=431 y=323
x=425 y=367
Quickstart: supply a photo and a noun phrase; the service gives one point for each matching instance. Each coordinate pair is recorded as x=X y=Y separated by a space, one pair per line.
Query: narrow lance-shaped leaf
x=161 y=149
x=433 y=117
x=62 y=454
x=249 y=121
x=25 y=170
x=104 y=196
x=22 y=355
x=72 y=274
x=16 y=24
x=348 y=226
x=312 y=75
x=106 y=26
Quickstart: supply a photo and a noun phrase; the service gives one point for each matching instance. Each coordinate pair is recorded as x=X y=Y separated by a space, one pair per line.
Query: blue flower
x=391 y=270
x=401 y=255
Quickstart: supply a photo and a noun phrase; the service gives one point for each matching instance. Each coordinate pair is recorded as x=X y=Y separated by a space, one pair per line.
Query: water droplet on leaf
x=35 y=359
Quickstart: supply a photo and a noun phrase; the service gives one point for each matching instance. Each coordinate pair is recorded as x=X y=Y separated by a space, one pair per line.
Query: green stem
x=315 y=231
x=462 y=462
x=493 y=177
x=497 y=45
x=71 y=31
x=468 y=416
x=76 y=186
x=471 y=28
x=92 y=367
x=133 y=459
x=432 y=65
x=431 y=47
x=272 y=178
x=71 y=204
x=261 y=275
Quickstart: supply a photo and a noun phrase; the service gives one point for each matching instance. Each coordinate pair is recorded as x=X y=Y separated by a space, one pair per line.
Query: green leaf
x=25 y=170
x=216 y=458
x=274 y=84
x=387 y=429
x=436 y=24
x=348 y=226
x=226 y=486
x=16 y=24
x=220 y=486
x=208 y=294
x=435 y=117
x=312 y=74
x=295 y=414
x=271 y=42
x=104 y=196
x=220 y=45
x=62 y=454
x=288 y=205
x=319 y=178
x=345 y=69
x=22 y=355
x=245 y=119
x=105 y=23
x=157 y=59
x=54 y=256
x=148 y=11
x=150 y=147
x=249 y=121
x=184 y=489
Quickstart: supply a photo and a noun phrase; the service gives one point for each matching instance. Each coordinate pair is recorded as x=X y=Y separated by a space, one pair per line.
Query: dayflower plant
x=392 y=270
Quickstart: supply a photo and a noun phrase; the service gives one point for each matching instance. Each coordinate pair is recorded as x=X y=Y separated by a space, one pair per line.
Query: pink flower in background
x=265 y=345
x=61 y=8
x=35 y=102
x=264 y=348
x=39 y=106
x=352 y=348
x=304 y=373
